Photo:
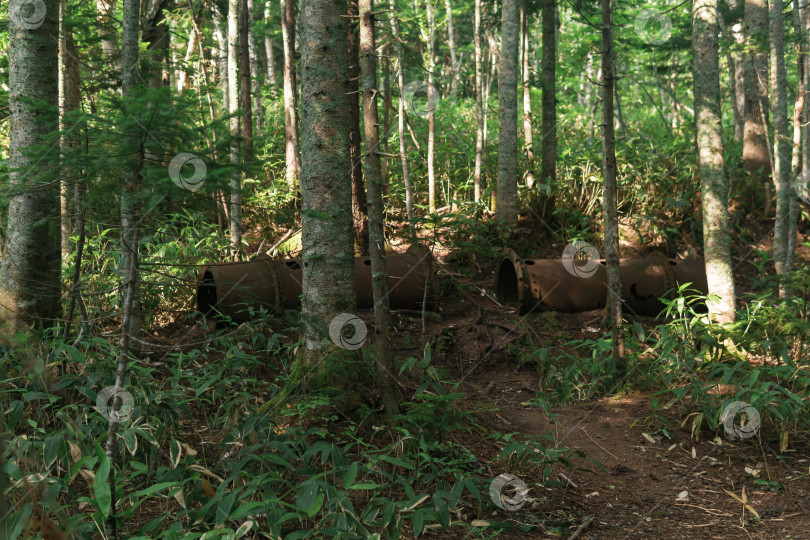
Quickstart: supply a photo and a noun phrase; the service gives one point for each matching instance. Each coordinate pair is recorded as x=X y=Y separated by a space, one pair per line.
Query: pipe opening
x=207 y=293
x=293 y=264
x=367 y=262
x=508 y=285
x=528 y=261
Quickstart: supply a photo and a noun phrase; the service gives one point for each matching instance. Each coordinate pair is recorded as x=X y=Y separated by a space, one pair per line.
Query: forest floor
x=647 y=485
x=644 y=474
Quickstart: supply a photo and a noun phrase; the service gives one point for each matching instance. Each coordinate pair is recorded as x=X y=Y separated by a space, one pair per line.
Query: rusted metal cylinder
x=531 y=284
x=235 y=288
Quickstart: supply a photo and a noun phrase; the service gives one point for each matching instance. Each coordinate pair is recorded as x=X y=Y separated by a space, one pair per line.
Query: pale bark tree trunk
x=806 y=110
x=610 y=190
x=527 y=99
x=755 y=75
x=182 y=77
x=130 y=255
x=359 y=204
x=235 y=183
x=548 y=81
x=401 y=115
x=507 y=202
x=431 y=24
x=255 y=68
x=108 y=34
x=268 y=48
x=327 y=253
x=781 y=152
x=798 y=111
x=386 y=374
x=713 y=182
x=455 y=64
x=293 y=168
x=479 y=105
x=386 y=117
x=221 y=34
x=31 y=270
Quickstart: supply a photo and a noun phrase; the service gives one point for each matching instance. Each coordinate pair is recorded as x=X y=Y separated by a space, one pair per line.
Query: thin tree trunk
x=506 y=208
x=235 y=183
x=755 y=76
x=806 y=110
x=455 y=65
x=548 y=80
x=401 y=116
x=292 y=167
x=246 y=78
x=30 y=272
x=781 y=159
x=479 y=105
x=221 y=34
x=254 y=67
x=386 y=117
x=359 y=204
x=268 y=48
x=155 y=33
x=386 y=374
x=736 y=78
x=713 y=182
x=527 y=100
x=431 y=109
x=107 y=33
x=493 y=67
x=327 y=239
x=609 y=193
x=68 y=101
x=130 y=257
x=798 y=111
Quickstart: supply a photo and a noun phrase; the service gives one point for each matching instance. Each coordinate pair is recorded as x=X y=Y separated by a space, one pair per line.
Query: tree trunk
x=479 y=105
x=327 y=253
x=386 y=117
x=806 y=110
x=713 y=182
x=506 y=208
x=359 y=204
x=798 y=110
x=736 y=58
x=527 y=99
x=106 y=31
x=255 y=68
x=431 y=109
x=610 y=189
x=386 y=371
x=246 y=68
x=130 y=256
x=455 y=65
x=155 y=33
x=69 y=98
x=30 y=272
x=403 y=153
x=235 y=183
x=292 y=166
x=268 y=48
x=781 y=155
x=755 y=77
x=548 y=81
x=493 y=67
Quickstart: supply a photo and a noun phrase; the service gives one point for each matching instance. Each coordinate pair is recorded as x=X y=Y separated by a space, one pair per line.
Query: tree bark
x=30 y=272
x=359 y=204
x=328 y=274
x=493 y=67
x=549 y=87
x=254 y=65
x=479 y=105
x=506 y=208
x=610 y=190
x=268 y=48
x=713 y=182
x=69 y=98
x=527 y=99
x=293 y=168
x=431 y=165
x=455 y=65
x=246 y=69
x=108 y=34
x=781 y=154
x=736 y=80
x=755 y=76
x=235 y=183
x=155 y=33
x=403 y=152
x=386 y=372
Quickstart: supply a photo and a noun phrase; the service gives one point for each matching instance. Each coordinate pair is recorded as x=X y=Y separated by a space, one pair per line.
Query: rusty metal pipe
x=530 y=284
x=235 y=289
